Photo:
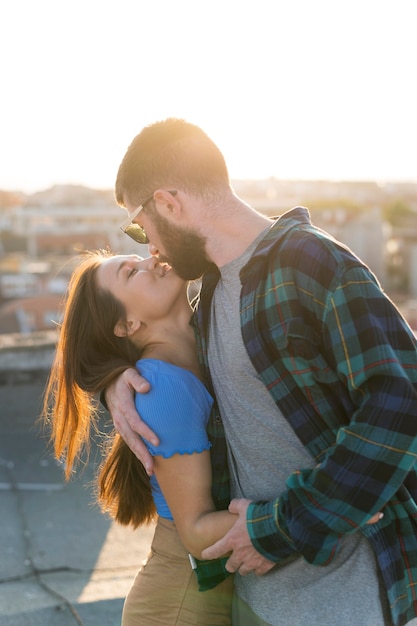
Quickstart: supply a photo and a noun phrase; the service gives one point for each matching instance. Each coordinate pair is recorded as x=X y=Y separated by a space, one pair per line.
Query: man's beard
x=184 y=248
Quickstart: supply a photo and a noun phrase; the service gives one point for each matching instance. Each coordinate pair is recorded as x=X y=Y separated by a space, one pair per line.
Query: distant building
x=367 y=236
x=42 y=234
x=28 y=315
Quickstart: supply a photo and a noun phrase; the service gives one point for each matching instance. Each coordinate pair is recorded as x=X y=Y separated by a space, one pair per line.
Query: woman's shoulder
x=177 y=408
x=172 y=379
x=160 y=368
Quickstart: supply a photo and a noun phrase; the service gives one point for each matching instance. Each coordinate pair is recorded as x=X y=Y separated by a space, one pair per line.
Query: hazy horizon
x=278 y=180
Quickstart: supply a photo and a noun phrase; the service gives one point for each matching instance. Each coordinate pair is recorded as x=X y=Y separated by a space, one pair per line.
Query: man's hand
x=244 y=558
x=127 y=422
x=376 y=518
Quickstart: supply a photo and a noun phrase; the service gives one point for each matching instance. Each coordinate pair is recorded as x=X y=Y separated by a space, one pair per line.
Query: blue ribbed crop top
x=177 y=409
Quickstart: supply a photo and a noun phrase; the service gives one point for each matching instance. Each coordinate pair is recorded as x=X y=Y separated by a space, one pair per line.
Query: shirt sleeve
x=177 y=409
x=374 y=353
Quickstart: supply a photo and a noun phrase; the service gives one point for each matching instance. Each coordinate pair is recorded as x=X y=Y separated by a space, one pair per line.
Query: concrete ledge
x=24 y=356
x=16 y=341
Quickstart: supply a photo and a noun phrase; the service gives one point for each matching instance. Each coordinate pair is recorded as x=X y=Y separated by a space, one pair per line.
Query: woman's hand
x=120 y=402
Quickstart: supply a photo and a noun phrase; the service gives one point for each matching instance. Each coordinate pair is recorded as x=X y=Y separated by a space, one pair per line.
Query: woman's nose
x=149 y=263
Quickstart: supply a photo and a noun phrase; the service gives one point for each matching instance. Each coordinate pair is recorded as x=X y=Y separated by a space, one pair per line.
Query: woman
x=122 y=310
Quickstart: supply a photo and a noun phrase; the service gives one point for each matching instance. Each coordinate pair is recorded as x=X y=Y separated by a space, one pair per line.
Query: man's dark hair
x=171 y=153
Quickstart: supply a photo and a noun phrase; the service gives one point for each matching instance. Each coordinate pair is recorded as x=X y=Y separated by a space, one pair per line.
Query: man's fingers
x=238 y=505
x=134 y=440
x=139 y=449
x=127 y=422
x=259 y=571
x=247 y=562
x=215 y=551
x=136 y=381
x=233 y=565
x=375 y=518
x=129 y=425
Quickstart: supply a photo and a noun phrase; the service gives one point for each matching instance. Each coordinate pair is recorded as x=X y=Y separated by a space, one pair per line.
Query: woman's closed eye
x=132 y=272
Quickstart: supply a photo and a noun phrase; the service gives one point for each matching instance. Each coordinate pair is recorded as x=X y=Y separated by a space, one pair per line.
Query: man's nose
x=153 y=250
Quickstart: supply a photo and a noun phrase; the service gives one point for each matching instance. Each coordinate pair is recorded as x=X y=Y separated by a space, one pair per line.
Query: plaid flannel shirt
x=341 y=363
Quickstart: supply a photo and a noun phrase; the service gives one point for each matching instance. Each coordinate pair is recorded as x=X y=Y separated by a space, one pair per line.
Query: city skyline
x=300 y=90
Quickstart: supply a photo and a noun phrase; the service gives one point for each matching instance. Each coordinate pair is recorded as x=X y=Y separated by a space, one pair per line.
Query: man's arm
x=245 y=558
x=120 y=403
x=359 y=474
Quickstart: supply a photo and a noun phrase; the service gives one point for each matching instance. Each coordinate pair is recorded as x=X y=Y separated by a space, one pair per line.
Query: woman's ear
x=126 y=329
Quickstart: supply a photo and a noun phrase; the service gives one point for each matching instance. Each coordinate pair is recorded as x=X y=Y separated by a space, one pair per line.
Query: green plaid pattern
x=210 y=573
x=341 y=363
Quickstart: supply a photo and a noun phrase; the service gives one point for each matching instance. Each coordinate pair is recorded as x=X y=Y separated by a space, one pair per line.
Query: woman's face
x=147 y=289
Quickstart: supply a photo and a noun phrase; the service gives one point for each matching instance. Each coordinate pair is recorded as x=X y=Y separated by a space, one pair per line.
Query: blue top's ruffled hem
x=168 y=455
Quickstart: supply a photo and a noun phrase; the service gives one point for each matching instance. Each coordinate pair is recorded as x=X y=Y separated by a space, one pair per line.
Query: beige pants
x=165 y=590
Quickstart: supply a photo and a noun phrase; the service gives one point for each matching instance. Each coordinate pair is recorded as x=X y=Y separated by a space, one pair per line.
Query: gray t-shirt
x=264 y=451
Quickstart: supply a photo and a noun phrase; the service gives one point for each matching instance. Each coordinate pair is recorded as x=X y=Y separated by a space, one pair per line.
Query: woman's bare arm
x=185 y=481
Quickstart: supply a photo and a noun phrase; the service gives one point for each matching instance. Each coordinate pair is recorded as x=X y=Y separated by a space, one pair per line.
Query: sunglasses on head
x=135 y=231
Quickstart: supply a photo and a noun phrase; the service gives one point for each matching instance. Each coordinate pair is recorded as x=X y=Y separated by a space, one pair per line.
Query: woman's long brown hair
x=88 y=358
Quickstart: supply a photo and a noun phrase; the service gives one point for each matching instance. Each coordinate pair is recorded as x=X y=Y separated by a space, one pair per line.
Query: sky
x=291 y=89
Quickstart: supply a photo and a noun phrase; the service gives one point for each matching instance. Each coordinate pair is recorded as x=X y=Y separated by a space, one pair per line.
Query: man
x=314 y=371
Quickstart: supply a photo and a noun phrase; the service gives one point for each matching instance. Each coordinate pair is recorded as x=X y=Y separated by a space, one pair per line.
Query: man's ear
x=167 y=201
x=126 y=329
